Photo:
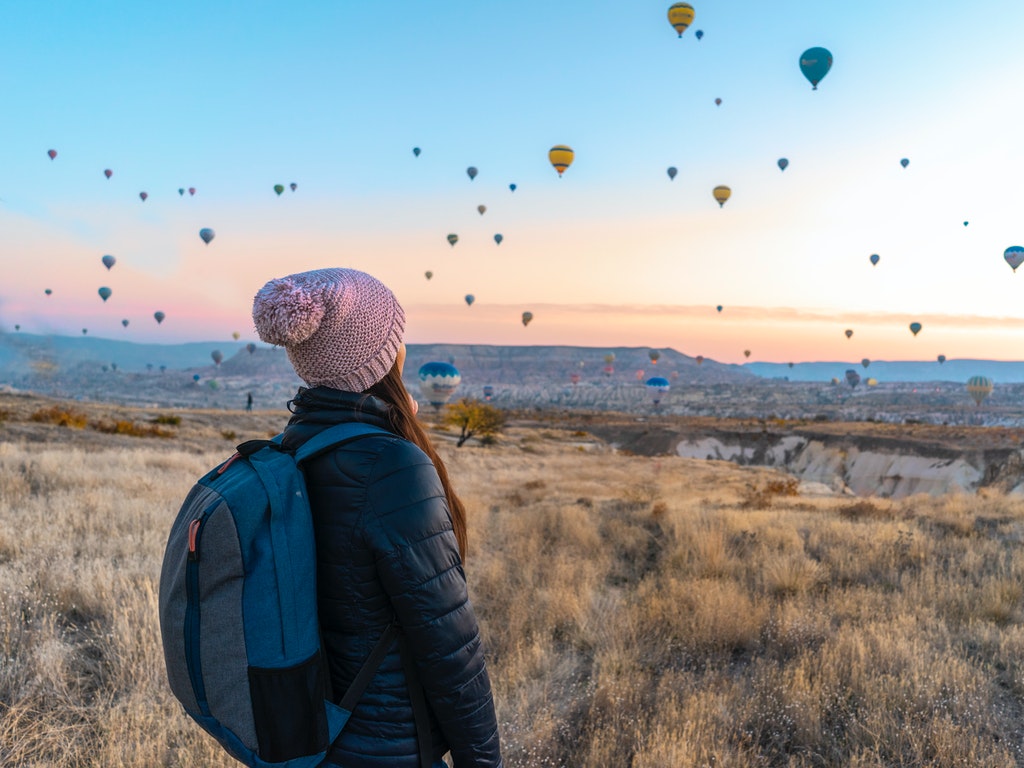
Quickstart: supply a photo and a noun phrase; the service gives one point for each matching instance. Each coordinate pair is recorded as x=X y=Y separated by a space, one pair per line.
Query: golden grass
x=637 y=611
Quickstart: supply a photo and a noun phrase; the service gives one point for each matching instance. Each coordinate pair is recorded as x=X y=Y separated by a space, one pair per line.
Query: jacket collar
x=324 y=405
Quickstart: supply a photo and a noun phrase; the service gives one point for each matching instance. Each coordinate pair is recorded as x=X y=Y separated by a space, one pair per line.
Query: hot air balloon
x=852 y=378
x=791 y=364
x=815 y=64
x=278 y=189
x=143 y=196
x=718 y=102
x=609 y=358
x=609 y=370
x=721 y=194
x=453 y=239
x=181 y=191
x=235 y=335
x=865 y=362
x=965 y=223
x=108 y=261
x=699 y=34
x=438 y=382
x=719 y=308
x=527 y=317
x=488 y=391
x=428 y=274
x=655 y=355
x=746 y=353
x=498 y=238
x=207 y=235
x=470 y=298
x=672 y=171
x=639 y=374
x=159 y=316
x=512 y=187
x=84 y=330
x=699 y=359
x=874 y=259
x=574 y=378
x=52 y=153
x=979 y=387
x=416 y=151
x=125 y=322
x=481 y=209
x=783 y=163
x=657 y=386
x=471 y=172
x=561 y=157
x=849 y=333
x=1014 y=256
x=904 y=162
x=191 y=191
x=108 y=173
x=915 y=328
x=195 y=377
x=680 y=16
x=48 y=291
x=104 y=293
x=217 y=356
x=293 y=186
x=250 y=347
x=941 y=359
x=871 y=382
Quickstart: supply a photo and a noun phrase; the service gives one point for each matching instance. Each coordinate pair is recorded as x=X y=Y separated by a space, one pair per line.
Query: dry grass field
x=644 y=612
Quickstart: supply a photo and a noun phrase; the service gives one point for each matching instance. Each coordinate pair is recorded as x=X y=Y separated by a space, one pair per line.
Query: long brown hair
x=391 y=389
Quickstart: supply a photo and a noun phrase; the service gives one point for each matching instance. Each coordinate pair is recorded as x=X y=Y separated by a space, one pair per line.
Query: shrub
x=62 y=418
x=228 y=434
x=474 y=418
x=170 y=419
x=131 y=428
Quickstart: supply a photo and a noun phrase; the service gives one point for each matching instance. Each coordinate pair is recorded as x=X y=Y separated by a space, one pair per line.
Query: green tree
x=474 y=418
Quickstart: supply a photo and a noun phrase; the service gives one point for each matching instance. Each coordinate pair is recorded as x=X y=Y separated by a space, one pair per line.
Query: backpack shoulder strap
x=334 y=436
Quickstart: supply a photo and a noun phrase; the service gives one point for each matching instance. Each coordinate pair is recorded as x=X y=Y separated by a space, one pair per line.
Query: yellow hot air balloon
x=561 y=157
x=680 y=16
x=979 y=387
x=721 y=194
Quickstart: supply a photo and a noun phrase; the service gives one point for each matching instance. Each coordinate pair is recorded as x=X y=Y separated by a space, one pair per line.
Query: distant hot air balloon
x=719 y=308
x=915 y=328
x=655 y=355
x=181 y=191
x=746 y=353
x=108 y=261
x=428 y=274
x=865 y=362
x=574 y=378
x=680 y=16
x=512 y=187
x=783 y=163
x=191 y=191
x=195 y=377
x=815 y=64
x=852 y=378
x=48 y=291
x=672 y=171
x=527 y=317
x=84 y=330
x=498 y=238
x=453 y=239
x=609 y=358
x=721 y=194
x=941 y=359
x=108 y=173
x=217 y=356
x=639 y=374
x=488 y=391
x=143 y=196
x=718 y=102
x=278 y=189
x=471 y=172
x=791 y=364
x=657 y=386
x=104 y=293
x=250 y=347
x=1014 y=256
x=699 y=359
x=561 y=157
x=207 y=235
x=52 y=153
x=235 y=335
x=904 y=162
x=871 y=382
x=966 y=223
x=159 y=316
x=609 y=370
x=874 y=259
x=699 y=34
x=438 y=382
x=979 y=387
x=848 y=332
x=416 y=151
x=470 y=298
x=481 y=209
x=125 y=322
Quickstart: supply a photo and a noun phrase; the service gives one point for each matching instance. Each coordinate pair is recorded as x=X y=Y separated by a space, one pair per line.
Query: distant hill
x=957 y=371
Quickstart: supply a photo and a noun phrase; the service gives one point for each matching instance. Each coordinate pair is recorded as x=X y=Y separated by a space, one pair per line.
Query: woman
x=390 y=531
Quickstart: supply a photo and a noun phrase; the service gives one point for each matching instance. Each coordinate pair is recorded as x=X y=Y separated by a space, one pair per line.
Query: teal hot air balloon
x=865 y=362
x=941 y=359
x=471 y=172
x=915 y=328
x=453 y=239
x=470 y=298
x=278 y=189
x=125 y=322
x=207 y=234
x=874 y=259
x=783 y=163
x=498 y=238
x=815 y=64
x=217 y=356
x=108 y=261
x=904 y=162
x=104 y=293
x=719 y=308
x=416 y=151
x=672 y=171
x=1014 y=256
x=250 y=347
x=511 y=187
x=852 y=378
x=438 y=382
x=657 y=386
x=159 y=317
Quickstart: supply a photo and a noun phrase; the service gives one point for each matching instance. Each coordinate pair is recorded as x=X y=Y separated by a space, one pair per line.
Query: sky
x=231 y=98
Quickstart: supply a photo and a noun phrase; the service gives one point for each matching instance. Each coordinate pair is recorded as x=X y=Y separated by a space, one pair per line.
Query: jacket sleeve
x=420 y=568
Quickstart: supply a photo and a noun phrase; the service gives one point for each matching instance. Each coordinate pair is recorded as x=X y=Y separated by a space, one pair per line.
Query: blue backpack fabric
x=238 y=608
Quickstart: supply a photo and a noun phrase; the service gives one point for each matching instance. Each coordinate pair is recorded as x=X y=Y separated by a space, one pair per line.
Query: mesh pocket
x=288 y=710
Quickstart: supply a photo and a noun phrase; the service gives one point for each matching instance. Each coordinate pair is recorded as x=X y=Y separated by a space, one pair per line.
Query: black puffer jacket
x=386 y=552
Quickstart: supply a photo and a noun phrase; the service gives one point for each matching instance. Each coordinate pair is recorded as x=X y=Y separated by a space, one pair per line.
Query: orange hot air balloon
x=680 y=16
x=561 y=157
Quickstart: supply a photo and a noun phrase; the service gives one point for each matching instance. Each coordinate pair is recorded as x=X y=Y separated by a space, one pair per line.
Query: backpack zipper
x=192 y=655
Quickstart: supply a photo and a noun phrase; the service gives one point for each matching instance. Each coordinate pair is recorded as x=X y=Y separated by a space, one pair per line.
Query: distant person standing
x=248 y=402
x=390 y=531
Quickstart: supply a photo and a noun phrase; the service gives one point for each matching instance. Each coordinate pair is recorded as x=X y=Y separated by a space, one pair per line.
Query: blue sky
x=232 y=98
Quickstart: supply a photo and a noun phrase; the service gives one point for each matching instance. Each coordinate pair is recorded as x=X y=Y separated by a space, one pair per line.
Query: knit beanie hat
x=341 y=328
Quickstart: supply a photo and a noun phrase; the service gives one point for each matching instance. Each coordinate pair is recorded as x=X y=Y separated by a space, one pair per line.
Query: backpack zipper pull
x=193 y=534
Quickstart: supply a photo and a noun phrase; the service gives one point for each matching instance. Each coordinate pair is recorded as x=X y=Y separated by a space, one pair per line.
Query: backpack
x=238 y=608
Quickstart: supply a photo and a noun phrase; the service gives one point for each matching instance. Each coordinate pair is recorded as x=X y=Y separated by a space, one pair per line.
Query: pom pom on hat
x=341 y=328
